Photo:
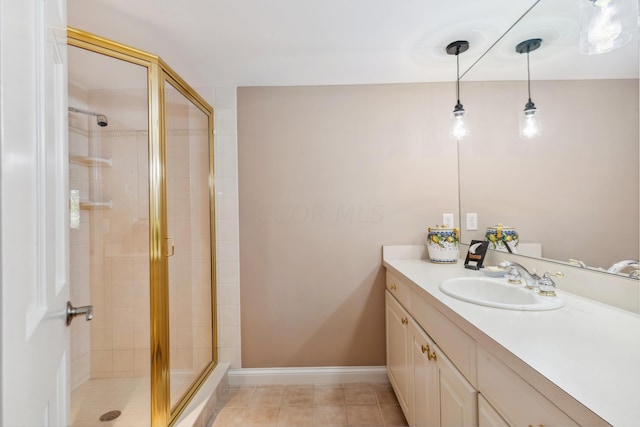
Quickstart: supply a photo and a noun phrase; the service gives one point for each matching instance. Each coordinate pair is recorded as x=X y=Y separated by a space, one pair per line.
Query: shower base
x=130 y=396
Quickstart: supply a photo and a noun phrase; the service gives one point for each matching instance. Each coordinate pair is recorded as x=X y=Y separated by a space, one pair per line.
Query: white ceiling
x=296 y=42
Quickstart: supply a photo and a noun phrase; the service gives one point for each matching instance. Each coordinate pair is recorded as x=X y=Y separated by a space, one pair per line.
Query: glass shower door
x=109 y=239
x=189 y=235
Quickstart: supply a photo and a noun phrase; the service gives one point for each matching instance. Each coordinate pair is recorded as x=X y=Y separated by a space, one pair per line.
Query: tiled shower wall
x=79 y=272
x=227 y=234
x=120 y=258
x=110 y=250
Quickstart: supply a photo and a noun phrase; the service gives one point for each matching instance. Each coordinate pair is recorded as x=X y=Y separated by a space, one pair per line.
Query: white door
x=33 y=212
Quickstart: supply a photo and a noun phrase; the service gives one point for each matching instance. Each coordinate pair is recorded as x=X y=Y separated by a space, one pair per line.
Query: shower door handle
x=171 y=248
x=72 y=312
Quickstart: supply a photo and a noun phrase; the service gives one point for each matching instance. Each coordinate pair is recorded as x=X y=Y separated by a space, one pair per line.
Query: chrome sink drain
x=110 y=416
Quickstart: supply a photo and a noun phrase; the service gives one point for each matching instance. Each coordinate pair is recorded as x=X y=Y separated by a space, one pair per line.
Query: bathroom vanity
x=453 y=362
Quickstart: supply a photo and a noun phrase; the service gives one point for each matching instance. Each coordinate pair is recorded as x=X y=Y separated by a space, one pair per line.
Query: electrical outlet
x=472 y=221
x=447 y=220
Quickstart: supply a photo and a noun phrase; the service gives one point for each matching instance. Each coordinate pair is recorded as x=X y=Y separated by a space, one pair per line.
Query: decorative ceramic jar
x=499 y=236
x=443 y=244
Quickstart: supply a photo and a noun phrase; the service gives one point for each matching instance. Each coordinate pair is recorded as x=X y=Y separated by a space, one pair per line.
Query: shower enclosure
x=142 y=236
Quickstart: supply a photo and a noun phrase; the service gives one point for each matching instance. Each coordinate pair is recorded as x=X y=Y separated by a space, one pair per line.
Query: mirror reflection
x=572 y=192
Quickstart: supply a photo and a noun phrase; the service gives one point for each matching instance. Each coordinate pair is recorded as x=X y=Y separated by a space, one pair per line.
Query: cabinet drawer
x=459 y=347
x=398 y=289
x=516 y=401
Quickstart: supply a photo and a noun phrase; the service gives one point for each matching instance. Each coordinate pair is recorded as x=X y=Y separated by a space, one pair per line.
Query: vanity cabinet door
x=517 y=402
x=398 y=344
x=442 y=395
x=426 y=401
x=487 y=416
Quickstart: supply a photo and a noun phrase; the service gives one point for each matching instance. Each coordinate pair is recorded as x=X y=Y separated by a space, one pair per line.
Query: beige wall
x=327 y=175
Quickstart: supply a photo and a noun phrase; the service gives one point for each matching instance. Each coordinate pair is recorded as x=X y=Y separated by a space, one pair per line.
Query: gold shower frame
x=158 y=72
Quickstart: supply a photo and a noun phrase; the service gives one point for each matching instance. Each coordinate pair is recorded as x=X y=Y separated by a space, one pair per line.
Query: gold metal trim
x=160 y=361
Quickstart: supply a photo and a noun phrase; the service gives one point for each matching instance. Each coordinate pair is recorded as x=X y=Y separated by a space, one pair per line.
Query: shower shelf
x=90 y=206
x=89 y=161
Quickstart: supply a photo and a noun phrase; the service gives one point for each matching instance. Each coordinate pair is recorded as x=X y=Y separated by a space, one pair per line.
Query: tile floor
x=361 y=404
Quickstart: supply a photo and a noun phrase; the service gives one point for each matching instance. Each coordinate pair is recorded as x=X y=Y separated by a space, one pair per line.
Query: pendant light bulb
x=459 y=126
x=605 y=25
x=530 y=117
x=529 y=121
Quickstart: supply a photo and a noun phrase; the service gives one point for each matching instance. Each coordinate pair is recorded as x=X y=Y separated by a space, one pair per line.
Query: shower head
x=101 y=119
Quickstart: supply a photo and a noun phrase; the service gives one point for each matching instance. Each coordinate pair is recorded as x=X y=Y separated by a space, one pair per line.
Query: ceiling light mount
x=457 y=47
x=528 y=45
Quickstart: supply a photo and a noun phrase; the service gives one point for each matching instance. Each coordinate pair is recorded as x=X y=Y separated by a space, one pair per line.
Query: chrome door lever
x=72 y=312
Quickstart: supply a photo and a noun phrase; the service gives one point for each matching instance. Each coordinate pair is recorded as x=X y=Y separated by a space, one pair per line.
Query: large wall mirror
x=574 y=190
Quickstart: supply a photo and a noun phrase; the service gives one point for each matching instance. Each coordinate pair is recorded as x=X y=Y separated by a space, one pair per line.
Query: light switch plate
x=472 y=221
x=447 y=220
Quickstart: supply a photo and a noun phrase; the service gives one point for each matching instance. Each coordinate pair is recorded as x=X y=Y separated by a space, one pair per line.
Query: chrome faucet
x=530 y=279
x=619 y=266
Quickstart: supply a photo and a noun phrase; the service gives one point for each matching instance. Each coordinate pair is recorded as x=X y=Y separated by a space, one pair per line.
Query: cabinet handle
x=404 y=320
x=394 y=287
x=431 y=355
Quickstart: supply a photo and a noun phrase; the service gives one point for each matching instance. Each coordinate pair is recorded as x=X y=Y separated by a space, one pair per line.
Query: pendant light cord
x=458 y=74
x=528 y=76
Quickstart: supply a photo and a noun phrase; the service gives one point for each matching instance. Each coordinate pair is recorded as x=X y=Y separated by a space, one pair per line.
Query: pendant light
x=459 y=127
x=605 y=25
x=530 y=118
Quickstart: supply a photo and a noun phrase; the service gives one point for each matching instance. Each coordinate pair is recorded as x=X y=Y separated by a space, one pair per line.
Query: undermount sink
x=498 y=293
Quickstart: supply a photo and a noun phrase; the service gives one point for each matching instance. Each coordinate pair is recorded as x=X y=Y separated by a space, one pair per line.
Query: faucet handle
x=577 y=262
x=513 y=276
x=550 y=274
x=547 y=285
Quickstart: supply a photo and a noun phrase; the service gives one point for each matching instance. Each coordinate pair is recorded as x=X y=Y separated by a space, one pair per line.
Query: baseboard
x=317 y=375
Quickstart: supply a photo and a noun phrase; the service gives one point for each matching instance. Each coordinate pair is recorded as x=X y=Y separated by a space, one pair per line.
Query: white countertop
x=588 y=349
